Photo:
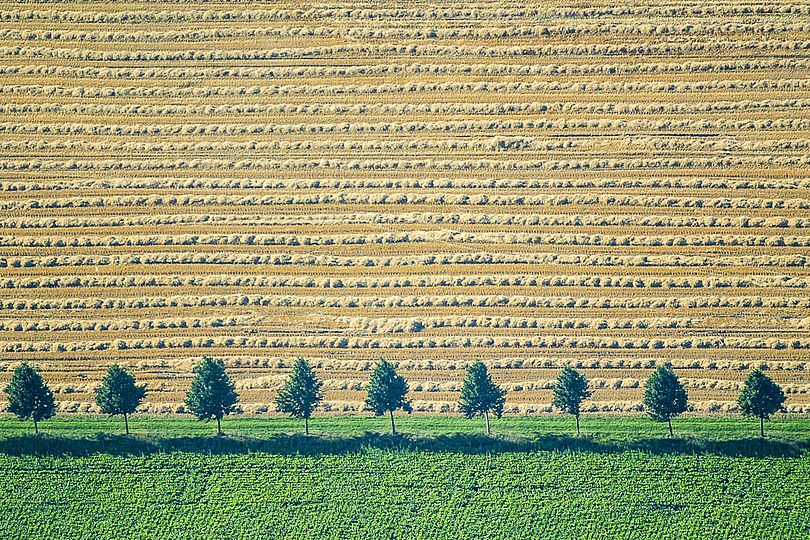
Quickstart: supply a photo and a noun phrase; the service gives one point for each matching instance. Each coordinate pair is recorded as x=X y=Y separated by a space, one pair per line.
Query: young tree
x=29 y=396
x=760 y=398
x=301 y=393
x=570 y=391
x=387 y=392
x=212 y=393
x=119 y=394
x=664 y=397
x=480 y=395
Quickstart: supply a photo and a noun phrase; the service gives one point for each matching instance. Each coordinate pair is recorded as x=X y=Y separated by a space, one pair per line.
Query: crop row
x=84 y=325
x=456 y=300
x=417 y=108
x=403 y=199
x=273 y=382
x=449 y=218
x=526 y=107
x=627 y=406
x=434 y=342
x=491 y=144
x=632 y=48
x=418 y=324
x=487 y=144
x=732 y=368
x=354 y=324
x=680 y=162
x=304 y=259
x=433 y=51
x=449 y=126
x=394 y=282
x=472 y=12
x=359 y=385
x=489 y=70
x=503 y=238
x=697 y=28
x=490 y=183
x=735 y=367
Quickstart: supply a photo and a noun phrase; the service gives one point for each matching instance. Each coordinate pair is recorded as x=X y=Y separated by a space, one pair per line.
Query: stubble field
x=611 y=187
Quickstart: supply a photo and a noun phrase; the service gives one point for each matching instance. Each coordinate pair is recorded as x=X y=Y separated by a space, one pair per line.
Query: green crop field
x=442 y=479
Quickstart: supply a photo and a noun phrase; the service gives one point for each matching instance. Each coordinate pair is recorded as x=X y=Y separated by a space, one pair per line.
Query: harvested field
x=606 y=187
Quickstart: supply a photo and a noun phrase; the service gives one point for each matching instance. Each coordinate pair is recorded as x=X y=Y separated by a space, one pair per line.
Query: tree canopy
x=570 y=390
x=118 y=394
x=29 y=396
x=665 y=397
x=301 y=393
x=212 y=393
x=760 y=398
x=480 y=395
x=387 y=392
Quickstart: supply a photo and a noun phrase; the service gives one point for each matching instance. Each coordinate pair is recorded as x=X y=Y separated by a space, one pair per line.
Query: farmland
x=443 y=480
x=533 y=185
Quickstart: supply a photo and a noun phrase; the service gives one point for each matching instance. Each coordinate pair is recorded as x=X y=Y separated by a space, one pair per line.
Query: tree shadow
x=118 y=445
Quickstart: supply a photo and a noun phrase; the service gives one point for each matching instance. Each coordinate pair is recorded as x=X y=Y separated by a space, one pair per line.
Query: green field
x=532 y=479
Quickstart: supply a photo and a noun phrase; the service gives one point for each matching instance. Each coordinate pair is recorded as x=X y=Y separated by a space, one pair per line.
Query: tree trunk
x=486 y=417
x=393 y=427
x=577 y=417
x=126 y=424
x=36 y=430
x=669 y=421
x=761 y=426
x=306 y=425
x=219 y=427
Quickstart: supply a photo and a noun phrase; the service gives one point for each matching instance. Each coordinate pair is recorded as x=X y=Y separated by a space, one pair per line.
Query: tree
x=570 y=391
x=387 y=392
x=480 y=395
x=301 y=394
x=119 y=394
x=212 y=393
x=29 y=396
x=760 y=398
x=664 y=397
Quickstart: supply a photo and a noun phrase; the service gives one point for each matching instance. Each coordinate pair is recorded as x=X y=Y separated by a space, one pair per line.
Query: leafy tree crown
x=212 y=393
x=118 y=393
x=760 y=396
x=570 y=390
x=301 y=393
x=29 y=396
x=664 y=397
x=480 y=394
x=387 y=390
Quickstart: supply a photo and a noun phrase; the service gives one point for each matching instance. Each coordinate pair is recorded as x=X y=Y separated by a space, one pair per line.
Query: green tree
x=301 y=394
x=570 y=391
x=212 y=393
x=664 y=397
x=480 y=395
x=760 y=398
x=118 y=394
x=29 y=396
x=387 y=392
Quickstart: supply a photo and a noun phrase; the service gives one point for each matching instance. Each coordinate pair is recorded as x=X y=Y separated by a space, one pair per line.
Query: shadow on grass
x=117 y=445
